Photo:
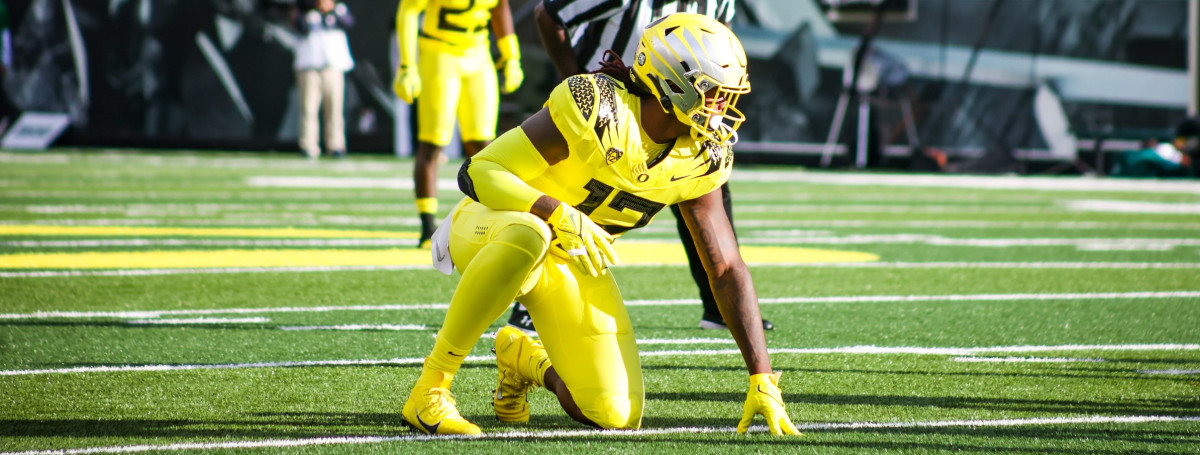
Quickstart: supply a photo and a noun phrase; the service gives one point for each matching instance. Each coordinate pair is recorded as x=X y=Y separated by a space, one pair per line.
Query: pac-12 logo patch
x=613 y=155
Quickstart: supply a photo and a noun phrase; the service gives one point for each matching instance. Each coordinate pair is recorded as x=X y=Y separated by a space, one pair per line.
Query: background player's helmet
x=683 y=56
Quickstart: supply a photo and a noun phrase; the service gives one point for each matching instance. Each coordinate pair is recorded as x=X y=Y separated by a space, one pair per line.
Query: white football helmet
x=696 y=67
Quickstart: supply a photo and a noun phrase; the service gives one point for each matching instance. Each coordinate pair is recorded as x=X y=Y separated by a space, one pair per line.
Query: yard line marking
x=287 y=232
x=1110 y=206
x=631 y=303
x=372 y=183
x=1022 y=359
x=204 y=242
x=232 y=366
x=976 y=224
x=354 y=327
x=984 y=265
x=1169 y=371
x=971 y=182
x=217 y=270
x=857 y=350
x=651 y=341
x=198 y=321
x=790 y=238
x=160 y=313
x=876 y=265
x=594 y=434
x=891 y=208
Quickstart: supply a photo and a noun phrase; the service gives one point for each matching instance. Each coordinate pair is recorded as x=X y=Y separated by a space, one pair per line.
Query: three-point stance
x=454 y=76
x=608 y=152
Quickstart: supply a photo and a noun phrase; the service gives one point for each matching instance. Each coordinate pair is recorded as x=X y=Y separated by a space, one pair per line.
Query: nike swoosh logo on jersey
x=431 y=429
x=675 y=179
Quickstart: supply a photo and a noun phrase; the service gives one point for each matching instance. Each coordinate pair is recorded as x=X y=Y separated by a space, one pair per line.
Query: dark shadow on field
x=1127 y=374
x=1189 y=406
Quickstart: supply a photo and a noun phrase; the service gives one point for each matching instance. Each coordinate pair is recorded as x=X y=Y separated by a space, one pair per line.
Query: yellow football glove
x=765 y=398
x=510 y=63
x=407 y=84
x=585 y=243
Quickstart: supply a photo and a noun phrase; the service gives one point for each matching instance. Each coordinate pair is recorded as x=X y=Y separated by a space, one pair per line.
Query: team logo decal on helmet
x=696 y=68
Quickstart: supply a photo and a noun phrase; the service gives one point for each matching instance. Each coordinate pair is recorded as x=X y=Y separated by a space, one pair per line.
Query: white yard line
x=972 y=224
x=870 y=265
x=855 y=350
x=618 y=435
x=206 y=242
x=354 y=327
x=632 y=303
x=979 y=182
x=791 y=238
x=1022 y=360
x=199 y=321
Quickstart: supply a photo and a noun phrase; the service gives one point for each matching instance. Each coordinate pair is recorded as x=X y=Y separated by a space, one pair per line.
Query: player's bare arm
x=554 y=40
x=502 y=23
x=551 y=144
x=731 y=282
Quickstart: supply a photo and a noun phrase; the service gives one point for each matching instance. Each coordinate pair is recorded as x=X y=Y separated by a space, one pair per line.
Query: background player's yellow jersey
x=457 y=24
x=615 y=173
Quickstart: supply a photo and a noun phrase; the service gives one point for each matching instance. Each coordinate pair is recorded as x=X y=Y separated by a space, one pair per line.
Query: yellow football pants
x=456 y=84
x=580 y=319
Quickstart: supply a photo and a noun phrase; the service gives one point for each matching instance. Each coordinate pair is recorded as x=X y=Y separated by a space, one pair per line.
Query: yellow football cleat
x=513 y=349
x=434 y=411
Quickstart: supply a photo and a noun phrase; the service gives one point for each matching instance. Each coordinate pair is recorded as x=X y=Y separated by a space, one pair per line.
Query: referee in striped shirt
x=575 y=34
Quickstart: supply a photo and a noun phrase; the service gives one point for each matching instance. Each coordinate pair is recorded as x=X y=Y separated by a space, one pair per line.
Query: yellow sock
x=445 y=358
x=427 y=205
x=538 y=364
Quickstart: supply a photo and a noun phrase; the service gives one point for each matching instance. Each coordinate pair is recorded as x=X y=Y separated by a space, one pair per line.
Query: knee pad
x=614 y=412
x=526 y=232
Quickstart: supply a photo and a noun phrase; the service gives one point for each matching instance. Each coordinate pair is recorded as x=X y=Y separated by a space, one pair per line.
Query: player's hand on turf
x=407 y=84
x=585 y=243
x=766 y=399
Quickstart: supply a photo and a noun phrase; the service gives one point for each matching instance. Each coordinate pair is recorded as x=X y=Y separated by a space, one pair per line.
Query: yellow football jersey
x=614 y=172
x=457 y=24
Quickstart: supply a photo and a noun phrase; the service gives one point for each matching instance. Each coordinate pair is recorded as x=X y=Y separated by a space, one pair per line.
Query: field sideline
x=195 y=302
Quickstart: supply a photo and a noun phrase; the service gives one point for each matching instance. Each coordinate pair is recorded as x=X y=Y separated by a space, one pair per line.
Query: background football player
x=454 y=76
x=544 y=202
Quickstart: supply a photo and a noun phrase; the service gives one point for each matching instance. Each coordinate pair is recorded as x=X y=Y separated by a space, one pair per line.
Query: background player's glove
x=585 y=243
x=407 y=84
x=765 y=398
x=510 y=63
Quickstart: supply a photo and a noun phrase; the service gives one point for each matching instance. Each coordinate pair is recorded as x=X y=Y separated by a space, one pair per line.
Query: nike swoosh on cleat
x=431 y=429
